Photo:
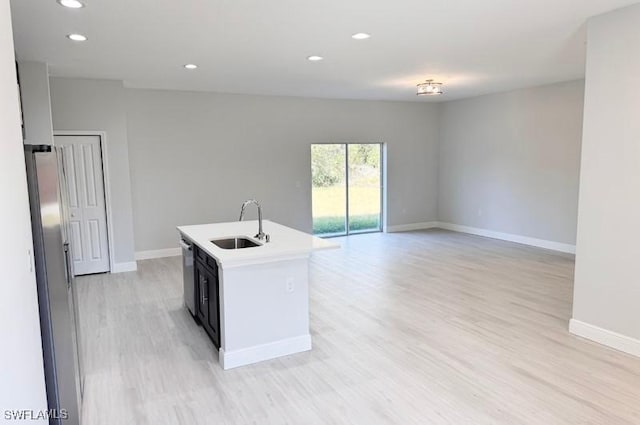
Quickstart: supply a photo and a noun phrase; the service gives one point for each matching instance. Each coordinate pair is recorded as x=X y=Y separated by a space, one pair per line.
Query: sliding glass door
x=347 y=188
x=329 y=189
x=364 y=187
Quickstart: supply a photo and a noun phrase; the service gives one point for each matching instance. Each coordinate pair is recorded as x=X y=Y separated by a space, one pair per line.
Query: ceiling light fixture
x=314 y=58
x=77 y=37
x=361 y=36
x=72 y=4
x=191 y=66
x=429 y=88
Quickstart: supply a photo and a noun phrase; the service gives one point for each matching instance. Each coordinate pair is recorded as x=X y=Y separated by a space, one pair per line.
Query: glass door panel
x=329 y=189
x=364 y=187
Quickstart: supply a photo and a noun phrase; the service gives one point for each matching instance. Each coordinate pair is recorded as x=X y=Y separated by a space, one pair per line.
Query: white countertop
x=285 y=242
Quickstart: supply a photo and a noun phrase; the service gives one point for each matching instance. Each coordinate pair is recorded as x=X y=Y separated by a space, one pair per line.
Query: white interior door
x=87 y=206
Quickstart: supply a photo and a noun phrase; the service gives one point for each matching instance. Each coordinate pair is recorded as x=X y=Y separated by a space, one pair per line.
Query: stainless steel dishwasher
x=187 y=275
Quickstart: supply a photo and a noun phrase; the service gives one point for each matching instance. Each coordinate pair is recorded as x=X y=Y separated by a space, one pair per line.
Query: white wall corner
x=525 y=240
x=412 y=226
x=605 y=337
x=158 y=253
x=130 y=266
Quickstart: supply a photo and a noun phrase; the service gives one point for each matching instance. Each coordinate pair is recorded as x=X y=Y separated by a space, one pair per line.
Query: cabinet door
x=202 y=288
x=213 y=318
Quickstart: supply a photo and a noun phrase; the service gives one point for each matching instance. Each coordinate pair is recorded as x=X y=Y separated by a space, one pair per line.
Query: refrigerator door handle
x=67 y=264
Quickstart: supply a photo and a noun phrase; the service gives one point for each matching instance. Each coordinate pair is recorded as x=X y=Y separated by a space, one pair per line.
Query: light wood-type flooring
x=424 y=328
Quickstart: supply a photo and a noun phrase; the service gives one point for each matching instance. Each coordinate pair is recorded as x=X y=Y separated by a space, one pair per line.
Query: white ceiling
x=257 y=46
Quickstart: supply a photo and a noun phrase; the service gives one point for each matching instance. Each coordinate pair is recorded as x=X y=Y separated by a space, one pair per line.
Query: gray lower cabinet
x=207 y=292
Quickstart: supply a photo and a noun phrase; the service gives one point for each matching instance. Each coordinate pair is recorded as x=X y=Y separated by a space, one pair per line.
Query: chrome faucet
x=261 y=235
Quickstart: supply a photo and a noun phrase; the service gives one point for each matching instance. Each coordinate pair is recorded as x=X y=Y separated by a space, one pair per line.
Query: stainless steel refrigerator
x=57 y=295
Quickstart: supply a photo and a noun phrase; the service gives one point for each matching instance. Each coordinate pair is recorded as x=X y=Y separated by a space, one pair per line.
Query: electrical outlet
x=290 y=285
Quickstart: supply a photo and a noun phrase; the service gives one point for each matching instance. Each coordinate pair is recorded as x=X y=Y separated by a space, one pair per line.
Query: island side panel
x=264 y=311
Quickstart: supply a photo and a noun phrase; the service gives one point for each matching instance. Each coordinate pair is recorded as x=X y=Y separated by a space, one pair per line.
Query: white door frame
x=105 y=177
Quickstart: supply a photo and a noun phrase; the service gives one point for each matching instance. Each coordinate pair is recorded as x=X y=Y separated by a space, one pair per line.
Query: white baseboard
x=605 y=337
x=525 y=240
x=258 y=353
x=158 y=253
x=412 y=226
x=131 y=266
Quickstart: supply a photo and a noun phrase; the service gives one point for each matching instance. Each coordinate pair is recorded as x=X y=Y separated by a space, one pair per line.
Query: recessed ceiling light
x=191 y=66
x=314 y=58
x=77 y=37
x=72 y=4
x=361 y=36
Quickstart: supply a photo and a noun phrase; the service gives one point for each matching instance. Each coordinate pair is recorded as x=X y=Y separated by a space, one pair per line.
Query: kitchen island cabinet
x=253 y=302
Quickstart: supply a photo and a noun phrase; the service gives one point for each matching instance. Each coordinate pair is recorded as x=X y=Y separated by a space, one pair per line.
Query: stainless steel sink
x=235 y=243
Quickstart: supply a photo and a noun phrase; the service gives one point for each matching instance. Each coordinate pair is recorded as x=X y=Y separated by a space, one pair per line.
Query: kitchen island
x=252 y=297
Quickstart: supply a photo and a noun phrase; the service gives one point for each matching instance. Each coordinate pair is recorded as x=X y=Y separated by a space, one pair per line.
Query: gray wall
x=196 y=156
x=36 y=104
x=21 y=370
x=99 y=105
x=509 y=162
x=607 y=281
